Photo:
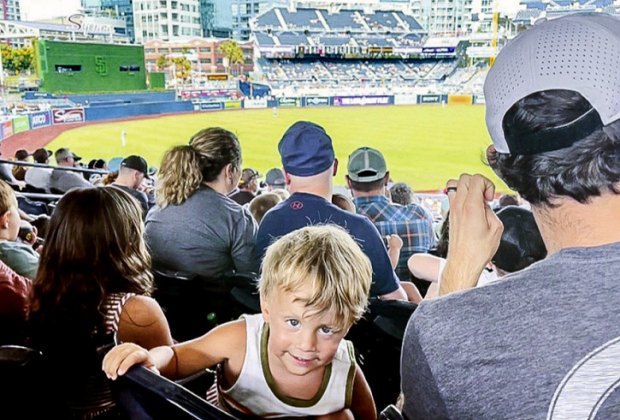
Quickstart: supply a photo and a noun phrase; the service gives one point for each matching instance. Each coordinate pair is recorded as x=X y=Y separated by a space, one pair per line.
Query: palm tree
x=232 y=53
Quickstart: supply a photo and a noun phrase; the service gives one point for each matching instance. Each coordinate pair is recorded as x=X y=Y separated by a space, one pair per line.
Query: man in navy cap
x=309 y=166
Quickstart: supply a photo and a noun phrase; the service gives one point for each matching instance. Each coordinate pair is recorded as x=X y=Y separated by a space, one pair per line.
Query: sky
x=45 y=9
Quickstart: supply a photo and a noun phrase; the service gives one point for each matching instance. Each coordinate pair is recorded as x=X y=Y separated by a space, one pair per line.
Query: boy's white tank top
x=254 y=392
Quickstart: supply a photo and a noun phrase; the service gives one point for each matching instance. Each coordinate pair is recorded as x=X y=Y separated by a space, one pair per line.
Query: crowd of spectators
x=508 y=328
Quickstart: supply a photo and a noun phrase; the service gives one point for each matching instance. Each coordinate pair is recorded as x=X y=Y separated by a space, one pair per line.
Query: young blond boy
x=290 y=360
x=20 y=257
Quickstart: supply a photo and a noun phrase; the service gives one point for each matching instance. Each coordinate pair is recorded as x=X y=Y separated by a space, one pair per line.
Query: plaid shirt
x=412 y=223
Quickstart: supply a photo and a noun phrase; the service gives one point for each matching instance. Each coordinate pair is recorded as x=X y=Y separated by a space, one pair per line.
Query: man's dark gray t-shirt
x=543 y=343
x=138 y=195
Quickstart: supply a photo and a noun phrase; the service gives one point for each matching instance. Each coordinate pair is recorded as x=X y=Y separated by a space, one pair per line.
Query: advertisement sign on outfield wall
x=363 y=100
x=289 y=102
x=21 y=123
x=232 y=104
x=405 y=99
x=460 y=100
x=431 y=99
x=479 y=100
x=68 y=115
x=40 y=119
x=210 y=106
x=316 y=101
x=255 y=103
x=7 y=129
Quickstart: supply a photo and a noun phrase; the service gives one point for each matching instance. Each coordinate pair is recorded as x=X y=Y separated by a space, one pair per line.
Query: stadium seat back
x=142 y=394
x=377 y=339
x=27 y=389
x=193 y=305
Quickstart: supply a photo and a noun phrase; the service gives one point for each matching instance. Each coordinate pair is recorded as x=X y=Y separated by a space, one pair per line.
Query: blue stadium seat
x=269 y=20
x=292 y=38
x=302 y=19
x=343 y=20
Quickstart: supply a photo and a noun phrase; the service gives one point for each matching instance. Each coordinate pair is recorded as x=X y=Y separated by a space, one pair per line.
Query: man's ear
x=335 y=167
x=4 y=219
x=491 y=155
x=346 y=177
x=386 y=178
x=287 y=177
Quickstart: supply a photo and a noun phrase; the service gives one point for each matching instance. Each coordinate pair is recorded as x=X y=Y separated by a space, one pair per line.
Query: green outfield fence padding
x=73 y=67
x=157 y=80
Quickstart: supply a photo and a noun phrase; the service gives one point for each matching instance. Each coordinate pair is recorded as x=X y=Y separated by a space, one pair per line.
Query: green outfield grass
x=423 y=145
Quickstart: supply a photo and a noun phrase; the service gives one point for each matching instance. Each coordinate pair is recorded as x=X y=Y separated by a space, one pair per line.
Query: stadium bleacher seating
x=302 y=19
x=269 y=20
x=343 y=20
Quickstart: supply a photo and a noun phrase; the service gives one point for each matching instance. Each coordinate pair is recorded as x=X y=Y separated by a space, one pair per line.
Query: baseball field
x=423 y=145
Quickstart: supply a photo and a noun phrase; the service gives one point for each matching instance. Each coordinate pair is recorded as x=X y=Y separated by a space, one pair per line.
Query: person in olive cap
x=367 y=177
x=544 y=342
x=247 y=187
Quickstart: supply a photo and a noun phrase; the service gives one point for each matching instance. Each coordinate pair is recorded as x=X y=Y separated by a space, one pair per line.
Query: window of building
x=68 y=68
x=205 y=49
x=129 y=68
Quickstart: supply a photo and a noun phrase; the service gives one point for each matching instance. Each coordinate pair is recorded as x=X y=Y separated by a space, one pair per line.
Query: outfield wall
x=112 y=107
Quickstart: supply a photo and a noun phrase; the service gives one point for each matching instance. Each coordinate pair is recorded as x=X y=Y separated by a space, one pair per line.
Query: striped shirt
x=96 y=396
x=412 y=223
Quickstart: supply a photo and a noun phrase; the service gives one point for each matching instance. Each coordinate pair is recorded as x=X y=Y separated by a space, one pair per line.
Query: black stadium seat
x=377 y=338
x=28 y=392
x=193 y=305
x=144 y=395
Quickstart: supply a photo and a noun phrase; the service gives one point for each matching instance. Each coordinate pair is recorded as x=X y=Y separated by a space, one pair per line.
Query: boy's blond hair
x=327 y=259
x=7 y=195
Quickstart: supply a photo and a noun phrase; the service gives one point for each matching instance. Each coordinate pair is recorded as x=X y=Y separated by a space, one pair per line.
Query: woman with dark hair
x=520 y=246
x=93 y=282
x=194 y=226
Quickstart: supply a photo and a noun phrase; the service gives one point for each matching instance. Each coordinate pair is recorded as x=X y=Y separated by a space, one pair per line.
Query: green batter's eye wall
x=71 y=67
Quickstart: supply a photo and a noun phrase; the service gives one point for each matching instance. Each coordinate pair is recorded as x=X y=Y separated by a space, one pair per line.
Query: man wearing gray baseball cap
x=543 y=342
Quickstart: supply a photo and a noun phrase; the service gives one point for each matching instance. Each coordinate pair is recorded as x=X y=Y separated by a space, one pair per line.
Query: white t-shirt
x=486 y=276
x=38 y=177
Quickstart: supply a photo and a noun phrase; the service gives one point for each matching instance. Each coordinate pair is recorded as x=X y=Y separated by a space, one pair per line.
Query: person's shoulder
x=276 y=211
x=11 y=282
x=417 y=210
x=17 y=247
x=142 y=310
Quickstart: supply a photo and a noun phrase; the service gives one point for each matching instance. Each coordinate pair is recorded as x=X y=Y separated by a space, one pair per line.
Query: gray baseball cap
x=578 y=52
x=366 y=165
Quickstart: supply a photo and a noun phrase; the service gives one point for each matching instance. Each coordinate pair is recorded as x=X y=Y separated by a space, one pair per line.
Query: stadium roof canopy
x=12 y=29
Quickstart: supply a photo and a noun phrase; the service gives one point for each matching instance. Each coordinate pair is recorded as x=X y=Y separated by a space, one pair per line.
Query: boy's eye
x=327 y=330
x=292 y=322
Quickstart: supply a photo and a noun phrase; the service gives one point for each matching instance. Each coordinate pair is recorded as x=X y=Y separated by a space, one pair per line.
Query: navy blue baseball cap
x=306 y=149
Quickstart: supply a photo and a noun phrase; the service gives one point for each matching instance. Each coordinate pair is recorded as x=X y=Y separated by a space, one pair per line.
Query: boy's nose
x=307 y=341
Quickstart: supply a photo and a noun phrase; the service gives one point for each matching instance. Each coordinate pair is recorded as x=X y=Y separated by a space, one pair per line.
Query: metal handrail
x=61 y=168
